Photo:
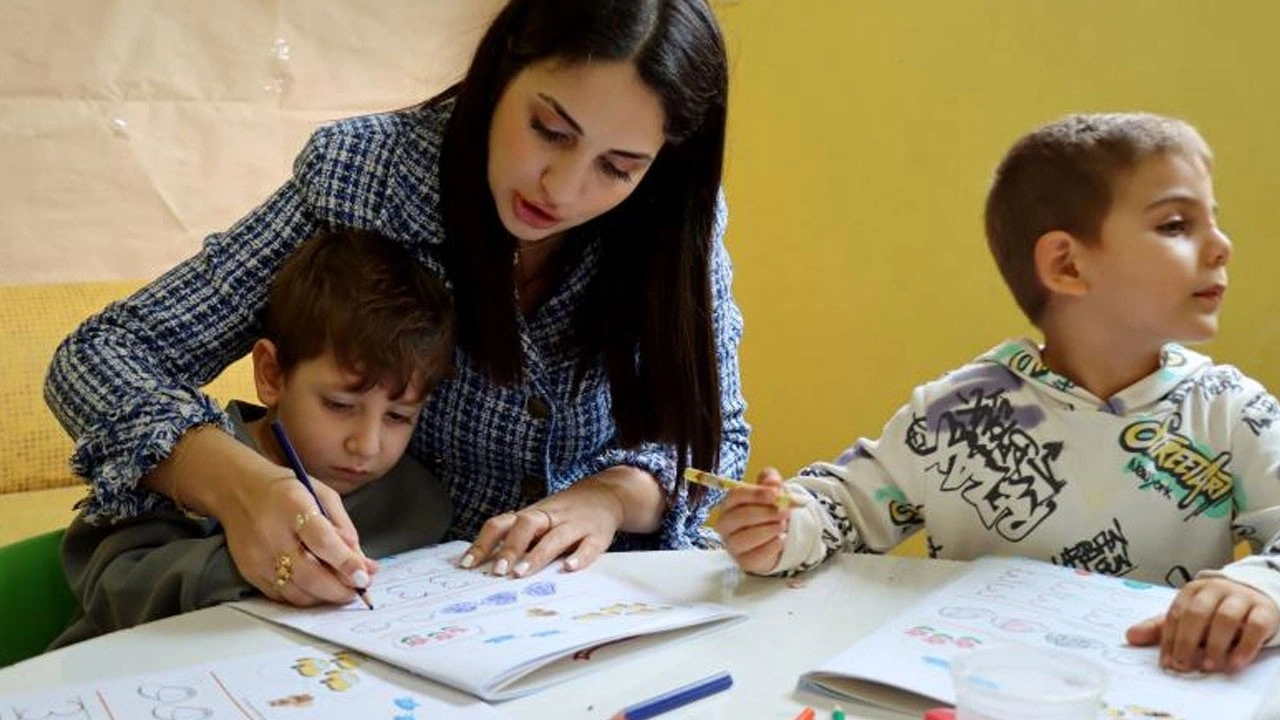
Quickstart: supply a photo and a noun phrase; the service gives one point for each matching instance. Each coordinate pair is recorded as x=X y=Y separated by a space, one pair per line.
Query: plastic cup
x=1016 y=683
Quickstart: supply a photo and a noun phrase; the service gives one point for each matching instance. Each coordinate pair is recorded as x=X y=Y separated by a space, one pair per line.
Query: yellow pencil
x=700 y=477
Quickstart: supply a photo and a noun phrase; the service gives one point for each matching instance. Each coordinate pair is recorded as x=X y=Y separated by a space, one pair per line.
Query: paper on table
x=496 y=637
x=1027 y=602
x=301 y=683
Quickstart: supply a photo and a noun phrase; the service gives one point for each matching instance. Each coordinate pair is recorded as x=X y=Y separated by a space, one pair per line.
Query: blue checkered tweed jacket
x=127 y=383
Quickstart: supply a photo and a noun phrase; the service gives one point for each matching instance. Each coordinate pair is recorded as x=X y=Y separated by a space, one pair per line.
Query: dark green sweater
x=164 y=564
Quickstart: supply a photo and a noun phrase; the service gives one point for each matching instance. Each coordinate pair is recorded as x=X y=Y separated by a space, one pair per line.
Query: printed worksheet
x=496 y=637
x=302 y=683
x=1018 y=601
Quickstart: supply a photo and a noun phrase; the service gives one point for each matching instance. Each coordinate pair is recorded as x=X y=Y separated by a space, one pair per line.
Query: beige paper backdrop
x=130 y=129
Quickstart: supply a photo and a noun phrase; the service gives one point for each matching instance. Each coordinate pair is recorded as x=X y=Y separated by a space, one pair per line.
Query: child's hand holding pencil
x=752 y=519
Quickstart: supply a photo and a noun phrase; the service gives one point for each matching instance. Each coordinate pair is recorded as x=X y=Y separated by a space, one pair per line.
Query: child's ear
x=267 y=377
x=1058 y=263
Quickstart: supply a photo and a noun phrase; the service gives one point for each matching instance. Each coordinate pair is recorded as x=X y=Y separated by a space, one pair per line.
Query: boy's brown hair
x=368 y=301
x=1060 y=176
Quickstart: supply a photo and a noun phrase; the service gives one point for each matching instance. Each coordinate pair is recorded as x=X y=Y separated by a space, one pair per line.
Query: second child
x=1110 y=447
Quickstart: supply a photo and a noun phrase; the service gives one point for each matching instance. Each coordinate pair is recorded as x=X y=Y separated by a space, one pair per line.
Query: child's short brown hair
x=368 y=301
x=1059 y=177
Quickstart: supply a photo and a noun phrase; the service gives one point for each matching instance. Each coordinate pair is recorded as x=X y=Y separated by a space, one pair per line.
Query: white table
x=792 y=627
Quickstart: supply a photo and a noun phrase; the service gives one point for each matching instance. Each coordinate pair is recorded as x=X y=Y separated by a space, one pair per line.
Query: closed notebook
x=904 y=664
x=496 y=637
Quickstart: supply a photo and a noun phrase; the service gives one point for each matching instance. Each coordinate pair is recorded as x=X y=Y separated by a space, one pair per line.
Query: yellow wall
x=863 y=134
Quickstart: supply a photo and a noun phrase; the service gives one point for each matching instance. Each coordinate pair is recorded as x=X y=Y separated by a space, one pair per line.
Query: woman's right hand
x=277 y=537
x=283 y=545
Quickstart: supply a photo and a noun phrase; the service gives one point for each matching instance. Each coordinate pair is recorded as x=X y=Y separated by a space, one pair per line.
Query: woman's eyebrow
x=561 y=112
x=578 y=128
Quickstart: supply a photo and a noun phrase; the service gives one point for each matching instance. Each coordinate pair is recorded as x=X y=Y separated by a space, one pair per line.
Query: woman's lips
x=532 y=214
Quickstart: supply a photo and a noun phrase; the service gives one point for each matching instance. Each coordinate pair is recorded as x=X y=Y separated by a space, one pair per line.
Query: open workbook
x=298 y=683
x=904 y=664
x=496 y=637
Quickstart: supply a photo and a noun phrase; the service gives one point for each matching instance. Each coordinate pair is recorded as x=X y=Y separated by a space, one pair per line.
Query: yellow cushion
x=23 y=514
x=34 y=450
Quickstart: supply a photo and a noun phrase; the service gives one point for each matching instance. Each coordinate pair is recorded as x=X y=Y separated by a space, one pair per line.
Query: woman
x=567 y=190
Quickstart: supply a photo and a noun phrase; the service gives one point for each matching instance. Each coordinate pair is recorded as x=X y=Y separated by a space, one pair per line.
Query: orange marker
x=805 y=714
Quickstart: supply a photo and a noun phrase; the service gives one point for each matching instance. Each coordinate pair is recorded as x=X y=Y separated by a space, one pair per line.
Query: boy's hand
x=752 y=527
x=1213 y=625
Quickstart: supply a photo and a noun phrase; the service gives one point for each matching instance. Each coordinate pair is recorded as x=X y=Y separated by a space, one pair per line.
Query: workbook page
x=301 y=683
x=496 y=637
x=1027 y=602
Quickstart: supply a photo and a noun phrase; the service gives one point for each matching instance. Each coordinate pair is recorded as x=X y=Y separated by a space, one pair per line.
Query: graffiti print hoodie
x=1005 y=457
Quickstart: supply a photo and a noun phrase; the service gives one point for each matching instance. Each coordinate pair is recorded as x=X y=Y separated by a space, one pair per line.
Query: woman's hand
x=277 y=537
x=283 y=545
x=580 y=520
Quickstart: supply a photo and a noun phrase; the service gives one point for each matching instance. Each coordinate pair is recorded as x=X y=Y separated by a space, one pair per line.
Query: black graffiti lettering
x=919 y=440
x=957 y=474
x=1260 y=412
x=1257 y=425
x=1012 y=506
x=1177 y=576
x=1144 y=473
x=996 y=465
x=1030 y=365
x=1106 y=552
x=904 y=514
x=935 y=550
x=1213 y=384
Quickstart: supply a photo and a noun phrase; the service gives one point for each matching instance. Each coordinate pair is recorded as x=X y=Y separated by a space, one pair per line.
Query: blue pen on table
x=679 y=697
x=301 y=473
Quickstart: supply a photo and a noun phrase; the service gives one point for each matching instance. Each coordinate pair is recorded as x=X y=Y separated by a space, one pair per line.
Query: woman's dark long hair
x=648 y=312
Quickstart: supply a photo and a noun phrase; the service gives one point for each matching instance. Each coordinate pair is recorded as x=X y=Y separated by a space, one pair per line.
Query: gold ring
x=284 y=569
x=300 y=520
x=551 y=522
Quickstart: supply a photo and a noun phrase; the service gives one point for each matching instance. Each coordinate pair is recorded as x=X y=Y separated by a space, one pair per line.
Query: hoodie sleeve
x=867 y=500
x=1254 y=420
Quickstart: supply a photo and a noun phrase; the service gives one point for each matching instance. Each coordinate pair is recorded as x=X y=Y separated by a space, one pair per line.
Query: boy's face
x=344 y=437
x=1159 y=272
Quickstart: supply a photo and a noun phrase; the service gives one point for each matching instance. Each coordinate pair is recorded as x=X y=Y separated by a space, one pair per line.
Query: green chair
x=36 y=604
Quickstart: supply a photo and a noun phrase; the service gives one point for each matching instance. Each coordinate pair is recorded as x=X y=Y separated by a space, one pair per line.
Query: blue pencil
x=294 y=462
x=679 y=697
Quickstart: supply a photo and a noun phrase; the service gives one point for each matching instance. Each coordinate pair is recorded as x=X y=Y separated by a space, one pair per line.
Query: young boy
x=1109 y=448
x=356 y=334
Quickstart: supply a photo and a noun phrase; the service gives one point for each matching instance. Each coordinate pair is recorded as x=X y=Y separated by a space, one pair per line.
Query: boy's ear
x=267 y=376
x=1058 y=262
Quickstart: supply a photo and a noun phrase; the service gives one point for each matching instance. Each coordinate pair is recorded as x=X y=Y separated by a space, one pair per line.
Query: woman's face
x=568 y=143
